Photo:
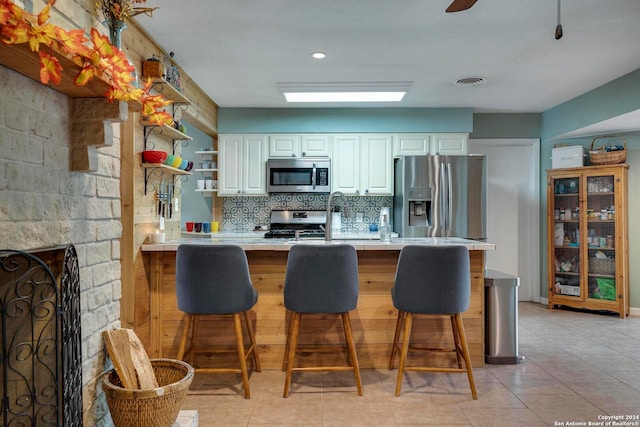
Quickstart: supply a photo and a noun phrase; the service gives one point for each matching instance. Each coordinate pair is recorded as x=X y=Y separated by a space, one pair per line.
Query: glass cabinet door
x=601 y=233
x=588 y=265
x=566 y=236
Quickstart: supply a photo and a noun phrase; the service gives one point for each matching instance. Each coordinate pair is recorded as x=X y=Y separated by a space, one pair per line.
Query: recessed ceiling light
x=319 y=55
x=471 y=81
x=345 y=92
x=344 y=96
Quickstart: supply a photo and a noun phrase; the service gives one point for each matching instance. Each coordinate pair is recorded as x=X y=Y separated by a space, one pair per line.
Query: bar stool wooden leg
x=185 y=335
x=465 y=354
x=252 y=338
x=194 y=335
x=396 y=336
x=289 y=322
x=237 y=324
x=408 y=321
x=293 y=343
x=348 y=335
x=456 y=340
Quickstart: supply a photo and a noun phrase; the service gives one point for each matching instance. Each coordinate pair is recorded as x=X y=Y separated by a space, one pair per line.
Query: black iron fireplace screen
x=41 y=377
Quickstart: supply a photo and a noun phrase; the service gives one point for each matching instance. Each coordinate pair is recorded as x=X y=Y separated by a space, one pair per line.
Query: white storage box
x=568 y=157
x=567 y=290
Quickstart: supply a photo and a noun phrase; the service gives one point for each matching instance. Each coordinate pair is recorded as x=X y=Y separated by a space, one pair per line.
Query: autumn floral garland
x=95 y=55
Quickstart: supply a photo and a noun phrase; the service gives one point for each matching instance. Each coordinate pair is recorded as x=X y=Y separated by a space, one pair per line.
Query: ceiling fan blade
x=460 y=5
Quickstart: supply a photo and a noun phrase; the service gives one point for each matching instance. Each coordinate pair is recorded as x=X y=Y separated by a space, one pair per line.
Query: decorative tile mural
x=246 y=213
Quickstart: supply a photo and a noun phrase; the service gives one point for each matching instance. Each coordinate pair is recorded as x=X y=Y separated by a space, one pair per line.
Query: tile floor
x=579 y=368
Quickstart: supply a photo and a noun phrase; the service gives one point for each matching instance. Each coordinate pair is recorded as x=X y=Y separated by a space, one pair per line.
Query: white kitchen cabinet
x=377 y=165
x=299 y=145
x=411 y=144
x=450 y=143
x=362 y=164
x=242 y=165
x=345 y=163
x=420 y=144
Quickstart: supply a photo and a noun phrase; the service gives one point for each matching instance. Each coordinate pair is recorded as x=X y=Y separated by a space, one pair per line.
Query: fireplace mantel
x=92 y=113
x=20 y=58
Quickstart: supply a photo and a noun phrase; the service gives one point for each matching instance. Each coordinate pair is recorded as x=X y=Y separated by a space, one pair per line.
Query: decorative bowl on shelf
x=170 y=160
x=177 y=161
x=189 y=166
x=184 y=164
x=154 y=156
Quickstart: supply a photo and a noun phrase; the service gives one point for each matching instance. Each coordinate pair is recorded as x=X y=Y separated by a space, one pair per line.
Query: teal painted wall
x=496 y=125
x=290 y=120
x=195 y=206
x=615 y=98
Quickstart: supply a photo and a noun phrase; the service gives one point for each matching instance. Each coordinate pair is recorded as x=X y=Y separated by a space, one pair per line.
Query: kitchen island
x=373 y=321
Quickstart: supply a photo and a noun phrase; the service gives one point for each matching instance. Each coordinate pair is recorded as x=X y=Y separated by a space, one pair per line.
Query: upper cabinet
x=362 y=164
x=411 y=144
x=449 y=143
x=419 y=144
x=299 y=145
x=242 y=165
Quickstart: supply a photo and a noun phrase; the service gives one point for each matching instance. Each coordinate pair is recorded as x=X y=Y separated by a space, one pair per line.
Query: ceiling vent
x=471 y=81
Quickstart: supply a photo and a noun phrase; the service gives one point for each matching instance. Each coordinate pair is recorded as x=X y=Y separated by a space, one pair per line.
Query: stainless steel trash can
x=501 y=318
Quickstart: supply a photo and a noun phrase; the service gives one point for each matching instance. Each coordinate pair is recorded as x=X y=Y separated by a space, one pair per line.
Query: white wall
x=512 y=209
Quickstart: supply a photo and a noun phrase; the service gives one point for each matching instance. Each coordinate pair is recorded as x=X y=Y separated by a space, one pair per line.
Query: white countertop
x=256 y=242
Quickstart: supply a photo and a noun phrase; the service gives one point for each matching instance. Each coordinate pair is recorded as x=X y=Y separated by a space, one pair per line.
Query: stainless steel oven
x=299 y=175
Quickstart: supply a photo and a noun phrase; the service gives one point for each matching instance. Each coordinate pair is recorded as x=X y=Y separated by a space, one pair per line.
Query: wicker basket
x=599 y=155
x=156 y=407
x=605 y=266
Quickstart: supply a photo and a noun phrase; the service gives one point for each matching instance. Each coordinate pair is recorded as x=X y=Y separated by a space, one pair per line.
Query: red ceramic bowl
x=153 y=156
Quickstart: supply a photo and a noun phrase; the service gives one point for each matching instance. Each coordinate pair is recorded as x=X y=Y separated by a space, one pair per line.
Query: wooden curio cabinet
x=587 y=237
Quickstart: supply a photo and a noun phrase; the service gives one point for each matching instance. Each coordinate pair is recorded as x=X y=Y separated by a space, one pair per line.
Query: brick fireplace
x=45 y=204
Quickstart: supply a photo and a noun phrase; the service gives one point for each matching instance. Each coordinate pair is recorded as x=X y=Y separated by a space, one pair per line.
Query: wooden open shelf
x=168 y=131
x=170 y=169
x=167 y=90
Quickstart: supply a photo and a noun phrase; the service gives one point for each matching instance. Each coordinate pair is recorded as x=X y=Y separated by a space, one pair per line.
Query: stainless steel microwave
x=299 y=175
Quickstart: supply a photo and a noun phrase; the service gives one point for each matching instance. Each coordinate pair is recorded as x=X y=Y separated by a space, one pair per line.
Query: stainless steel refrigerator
x=440 y=196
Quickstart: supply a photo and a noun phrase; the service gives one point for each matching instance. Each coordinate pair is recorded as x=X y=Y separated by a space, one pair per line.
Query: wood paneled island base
x=373 y=321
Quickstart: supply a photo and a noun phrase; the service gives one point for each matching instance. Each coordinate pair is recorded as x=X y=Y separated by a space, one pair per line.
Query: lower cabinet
x=588 y=247
x=242 y=165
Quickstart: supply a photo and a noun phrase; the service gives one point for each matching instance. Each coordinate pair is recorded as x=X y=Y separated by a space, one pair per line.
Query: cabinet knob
x=366 y=191
x=304 y=153
x=239 y=191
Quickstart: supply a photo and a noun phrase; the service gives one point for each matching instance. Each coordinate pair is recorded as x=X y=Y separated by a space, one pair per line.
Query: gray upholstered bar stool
x=214 y=280
x=432 y=280
x=320 y=279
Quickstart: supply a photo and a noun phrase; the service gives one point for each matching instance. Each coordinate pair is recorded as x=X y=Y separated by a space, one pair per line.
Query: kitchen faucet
x=327 y=231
